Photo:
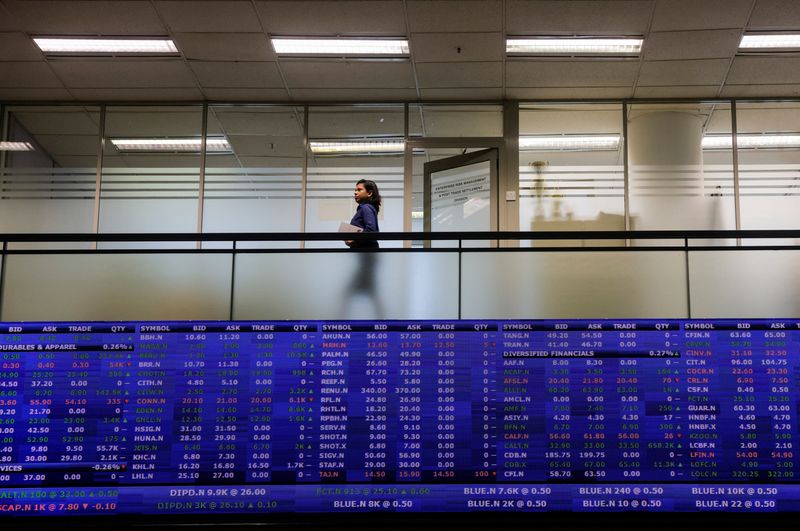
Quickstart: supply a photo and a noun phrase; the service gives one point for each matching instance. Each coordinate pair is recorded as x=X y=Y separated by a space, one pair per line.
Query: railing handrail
x=393 y=236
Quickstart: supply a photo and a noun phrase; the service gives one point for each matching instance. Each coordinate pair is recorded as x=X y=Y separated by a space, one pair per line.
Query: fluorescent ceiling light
x=340 y=46
x=105 y=45
x=180 y=145
x=773 y=41
x=569 y=143
x=574 y=46
x=338 y=147
x=16 y=146
x=753 y=141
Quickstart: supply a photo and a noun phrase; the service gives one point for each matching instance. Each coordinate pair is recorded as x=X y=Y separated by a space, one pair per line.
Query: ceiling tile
x=761 y=91
x=557 y=93
x=470 y=94
x=34 y=94
x=592 y=118
x=708 y=91
x=457 y=47
x=273 y=121
x=467 y=75
x=571 y=73
x=271 y=162
x=691 y=44
x=389 y=94
x=135 y=121
x=766 y=116
x=603 y=17
x=28 y=74
x=775 y=15
x=330 y=18
x=60 y=121
x=225 y=46
x=699 y=72
x=254 y=146
x=355 y=74
x=720 y=120
x=126 y=73
x=209 y=16
x=18 y=47
x=708 y=14
x=120 y=17
x=237 y=74
x=338 y=121
x=245 y=94
x=8 y=21
x=467 y=15
x=764 y=71
x=69 y=144
x=137 y=94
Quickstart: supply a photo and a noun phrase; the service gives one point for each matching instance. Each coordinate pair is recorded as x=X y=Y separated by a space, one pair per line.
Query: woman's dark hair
x=375 y=198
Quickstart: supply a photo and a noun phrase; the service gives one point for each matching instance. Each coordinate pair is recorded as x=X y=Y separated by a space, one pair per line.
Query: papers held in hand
x=346 y=227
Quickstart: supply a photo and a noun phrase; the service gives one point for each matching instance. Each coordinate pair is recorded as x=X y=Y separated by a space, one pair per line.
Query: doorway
x=460 y=194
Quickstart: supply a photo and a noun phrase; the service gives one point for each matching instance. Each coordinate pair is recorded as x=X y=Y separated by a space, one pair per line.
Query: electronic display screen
x=153 y=418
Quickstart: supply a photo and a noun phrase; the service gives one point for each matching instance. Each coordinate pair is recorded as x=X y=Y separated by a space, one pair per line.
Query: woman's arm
x=369 y=217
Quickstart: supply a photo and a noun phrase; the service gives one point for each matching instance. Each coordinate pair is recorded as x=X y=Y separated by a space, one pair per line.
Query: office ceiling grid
x=457 y=50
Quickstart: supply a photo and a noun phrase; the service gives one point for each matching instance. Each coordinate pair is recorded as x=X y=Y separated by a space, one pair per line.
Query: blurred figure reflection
x=363 y=285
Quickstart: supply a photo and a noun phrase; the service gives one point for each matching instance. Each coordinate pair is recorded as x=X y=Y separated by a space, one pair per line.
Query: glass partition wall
x=151 y=169
x=571 y=169
x=347 y=143
x=584 y=166
x=680 y=167
x=256 y=183
x=48 y=169
x=769 y=164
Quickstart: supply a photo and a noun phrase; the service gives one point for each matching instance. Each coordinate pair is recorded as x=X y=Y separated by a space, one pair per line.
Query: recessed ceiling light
x=569 y=143
x=771 y=42
x=172 y=145
x=588 y=46
x=753 y=141
x=16 y=146
x=82 y=45
x=340 y=46
x=341 y=147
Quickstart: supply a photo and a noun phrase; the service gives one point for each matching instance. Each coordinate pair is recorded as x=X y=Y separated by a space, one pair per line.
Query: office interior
x=666 y=139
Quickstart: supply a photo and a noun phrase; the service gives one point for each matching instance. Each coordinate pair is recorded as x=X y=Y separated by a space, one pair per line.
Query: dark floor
x=482 y=522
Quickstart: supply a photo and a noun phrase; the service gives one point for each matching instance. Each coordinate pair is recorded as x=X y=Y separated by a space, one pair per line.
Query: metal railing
x=461 y=285
x=685 y=237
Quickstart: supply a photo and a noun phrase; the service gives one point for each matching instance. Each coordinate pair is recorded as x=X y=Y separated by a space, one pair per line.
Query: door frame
x=412 y=143
x=490 y=155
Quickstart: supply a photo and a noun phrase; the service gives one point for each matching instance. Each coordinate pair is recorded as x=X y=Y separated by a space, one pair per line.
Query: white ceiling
x=457 y=50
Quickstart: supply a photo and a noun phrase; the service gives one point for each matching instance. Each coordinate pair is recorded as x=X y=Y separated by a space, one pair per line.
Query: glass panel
x=745 y=284
x=677 y=180
x=438 y=120
x=718 y=186
x=150 y=190
x=769 y=176
x=256 y=186
x=461 y=201
x=565 y=185
x=50 y=188
x=346 y=285
x=332 y=176
x=419 y=158
x=545 y=285
x=109 y=287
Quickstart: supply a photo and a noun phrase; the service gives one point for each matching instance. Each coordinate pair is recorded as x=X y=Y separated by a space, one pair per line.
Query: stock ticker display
x=148 y=418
